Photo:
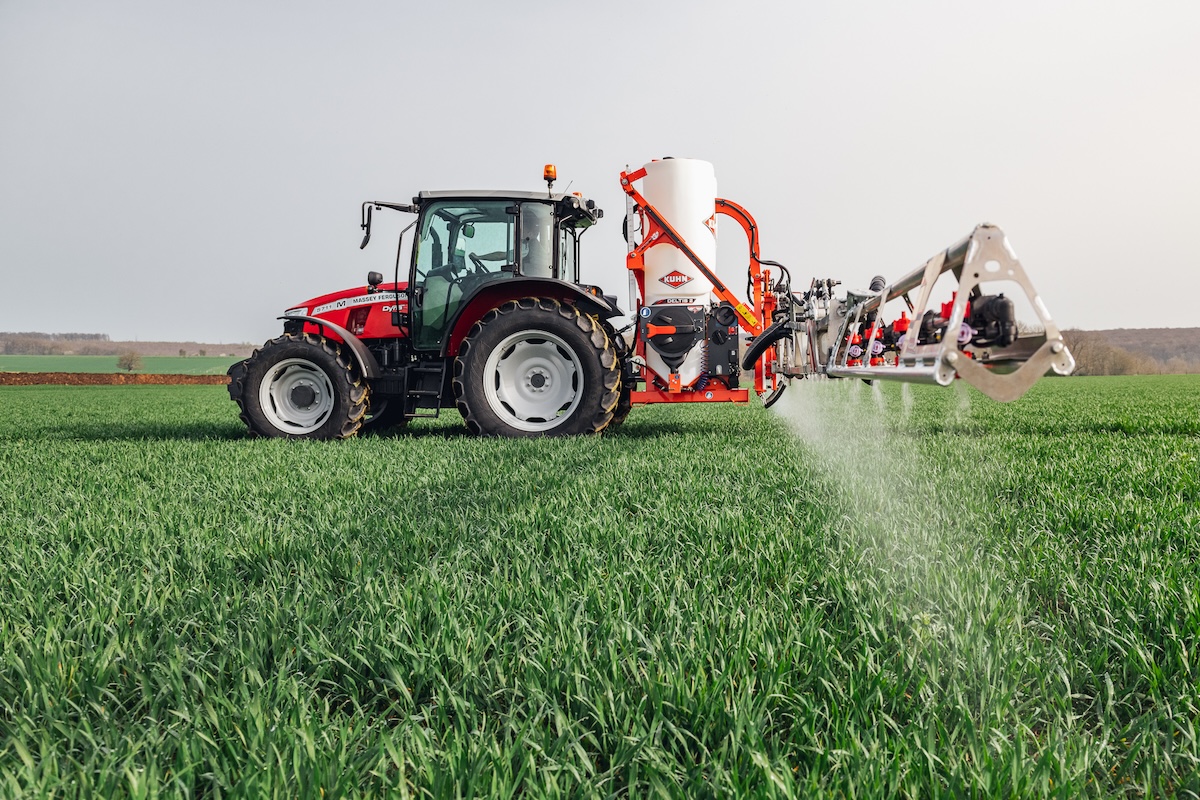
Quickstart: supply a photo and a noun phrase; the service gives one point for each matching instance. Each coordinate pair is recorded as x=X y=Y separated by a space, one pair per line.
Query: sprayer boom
x=974 y=335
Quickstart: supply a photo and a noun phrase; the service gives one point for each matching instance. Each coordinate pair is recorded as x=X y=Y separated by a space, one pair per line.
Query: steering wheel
x=480 y=267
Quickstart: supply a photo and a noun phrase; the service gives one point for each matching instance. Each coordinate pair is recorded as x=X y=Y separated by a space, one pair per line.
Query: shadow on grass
x=1052 y=430
x=134 y=430
x=417 y=432
x=184 y=432
x=455 y=430
x=656 y=430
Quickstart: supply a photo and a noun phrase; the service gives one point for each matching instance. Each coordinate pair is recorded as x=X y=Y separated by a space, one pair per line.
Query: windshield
x=537 y=240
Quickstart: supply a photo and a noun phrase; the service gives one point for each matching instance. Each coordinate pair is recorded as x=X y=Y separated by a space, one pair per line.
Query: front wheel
x=299 y=386
x=536 y=367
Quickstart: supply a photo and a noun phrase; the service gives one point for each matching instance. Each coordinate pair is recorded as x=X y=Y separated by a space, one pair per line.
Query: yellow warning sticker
x=747 y=314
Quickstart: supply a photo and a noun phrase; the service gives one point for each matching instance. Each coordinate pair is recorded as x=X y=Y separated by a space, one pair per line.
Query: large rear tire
x=536 y=367
x=300 y=386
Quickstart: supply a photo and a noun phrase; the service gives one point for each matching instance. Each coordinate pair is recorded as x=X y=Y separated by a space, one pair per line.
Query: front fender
x=366 y=361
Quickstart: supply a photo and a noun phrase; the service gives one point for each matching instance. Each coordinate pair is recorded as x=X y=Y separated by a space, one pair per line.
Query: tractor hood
x=323 y=305
x=360 y=310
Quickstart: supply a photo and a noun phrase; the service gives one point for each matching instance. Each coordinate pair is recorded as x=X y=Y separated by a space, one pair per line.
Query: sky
x=187 y=171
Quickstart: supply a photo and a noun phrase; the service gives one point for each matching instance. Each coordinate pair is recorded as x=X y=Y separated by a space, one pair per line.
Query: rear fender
x=495 y=293
x=362 y=356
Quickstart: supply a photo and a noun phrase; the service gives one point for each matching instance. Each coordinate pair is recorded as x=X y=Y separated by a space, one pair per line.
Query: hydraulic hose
x=764 y=340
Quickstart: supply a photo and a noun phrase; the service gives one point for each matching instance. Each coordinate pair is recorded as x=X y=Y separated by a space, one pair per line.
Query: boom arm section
x=975 y=336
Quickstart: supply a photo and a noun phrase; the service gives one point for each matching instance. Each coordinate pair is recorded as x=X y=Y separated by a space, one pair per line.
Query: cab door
x=462 y=244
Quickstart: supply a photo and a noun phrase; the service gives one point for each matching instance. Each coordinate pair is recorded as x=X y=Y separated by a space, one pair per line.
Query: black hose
x=774 y=396
x=764 y=340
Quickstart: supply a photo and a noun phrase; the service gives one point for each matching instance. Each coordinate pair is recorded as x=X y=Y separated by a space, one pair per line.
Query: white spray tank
x=684 y=190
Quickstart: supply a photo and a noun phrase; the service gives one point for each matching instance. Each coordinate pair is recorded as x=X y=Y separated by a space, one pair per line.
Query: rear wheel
x=536 y=367
x=299 y=386
x=771 y=397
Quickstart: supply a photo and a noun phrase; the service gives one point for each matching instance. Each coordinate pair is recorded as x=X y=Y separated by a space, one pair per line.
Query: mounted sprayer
x=681 y=345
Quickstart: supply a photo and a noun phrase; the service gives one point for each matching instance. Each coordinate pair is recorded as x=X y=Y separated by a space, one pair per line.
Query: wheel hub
x=303 y=395
x=532 y=380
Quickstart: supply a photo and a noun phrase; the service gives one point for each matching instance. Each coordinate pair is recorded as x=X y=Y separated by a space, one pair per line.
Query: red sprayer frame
x=656 y=230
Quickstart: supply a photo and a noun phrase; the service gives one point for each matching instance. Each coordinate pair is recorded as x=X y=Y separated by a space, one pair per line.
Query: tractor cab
x=466 y=240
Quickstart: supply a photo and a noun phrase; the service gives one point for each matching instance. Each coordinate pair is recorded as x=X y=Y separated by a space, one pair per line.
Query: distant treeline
x=99 y=344
x=66 y=337
x=1144 y=351
x=1161 y=344
x=33 y=343
x=1133 y=351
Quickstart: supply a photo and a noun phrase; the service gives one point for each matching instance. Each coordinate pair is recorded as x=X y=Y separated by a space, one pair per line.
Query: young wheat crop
x=870 y=593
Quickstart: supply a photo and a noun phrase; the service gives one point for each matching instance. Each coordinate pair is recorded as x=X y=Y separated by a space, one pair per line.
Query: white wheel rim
x=296 y=396
x=532 y=381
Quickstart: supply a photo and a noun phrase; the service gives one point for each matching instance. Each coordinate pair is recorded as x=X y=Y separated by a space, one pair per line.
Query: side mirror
x=468 y=230
x=366 y=225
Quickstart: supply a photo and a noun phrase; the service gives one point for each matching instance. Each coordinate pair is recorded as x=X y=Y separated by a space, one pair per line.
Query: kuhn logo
x=676 y=279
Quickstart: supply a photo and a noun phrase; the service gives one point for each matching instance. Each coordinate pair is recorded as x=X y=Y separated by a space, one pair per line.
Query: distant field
x=860 y=593
x=162 y=365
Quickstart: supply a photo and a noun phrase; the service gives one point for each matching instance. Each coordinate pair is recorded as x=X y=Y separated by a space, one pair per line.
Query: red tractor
x=493 y=316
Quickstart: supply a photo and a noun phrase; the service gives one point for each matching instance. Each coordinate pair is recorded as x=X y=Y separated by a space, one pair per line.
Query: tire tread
x=605 y=355
x=357 y=391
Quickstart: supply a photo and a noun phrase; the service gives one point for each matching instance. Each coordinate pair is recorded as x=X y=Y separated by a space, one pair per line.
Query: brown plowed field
x=104 y=379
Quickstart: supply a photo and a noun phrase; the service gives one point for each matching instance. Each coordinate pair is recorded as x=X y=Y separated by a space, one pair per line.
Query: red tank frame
x=656 y=231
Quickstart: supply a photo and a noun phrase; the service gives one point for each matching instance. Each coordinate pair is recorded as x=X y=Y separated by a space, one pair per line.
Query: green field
x=160 y=365
x=858 y=593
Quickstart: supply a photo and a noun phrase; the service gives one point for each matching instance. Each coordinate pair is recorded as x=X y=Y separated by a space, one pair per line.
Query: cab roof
x=575 y=207
x=497 y=194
